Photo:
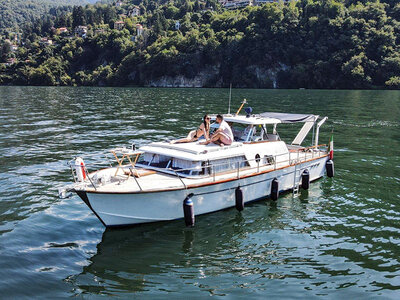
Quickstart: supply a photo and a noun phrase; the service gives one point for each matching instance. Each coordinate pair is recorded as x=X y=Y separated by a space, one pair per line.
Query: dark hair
x=220 y=117
x=206 y=125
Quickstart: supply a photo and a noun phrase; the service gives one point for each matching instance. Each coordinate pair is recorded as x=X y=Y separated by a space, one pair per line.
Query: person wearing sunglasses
x=223 y=136
x=194 y=135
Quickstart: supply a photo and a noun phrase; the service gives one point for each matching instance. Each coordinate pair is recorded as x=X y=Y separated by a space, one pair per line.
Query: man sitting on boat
x=223 y=135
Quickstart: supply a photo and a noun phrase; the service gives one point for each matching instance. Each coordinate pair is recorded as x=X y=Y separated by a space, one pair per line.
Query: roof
x=269 y=118
x=290 y=118
x=194 y=151
x=252 y=120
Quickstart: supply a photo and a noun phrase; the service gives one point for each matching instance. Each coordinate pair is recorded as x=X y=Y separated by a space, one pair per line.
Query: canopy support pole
x=317 y=131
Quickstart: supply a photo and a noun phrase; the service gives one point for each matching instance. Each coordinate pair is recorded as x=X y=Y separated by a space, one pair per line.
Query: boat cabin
x=256 y=143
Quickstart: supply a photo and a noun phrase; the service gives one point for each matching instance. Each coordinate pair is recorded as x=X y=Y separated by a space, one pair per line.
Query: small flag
x=331 y=148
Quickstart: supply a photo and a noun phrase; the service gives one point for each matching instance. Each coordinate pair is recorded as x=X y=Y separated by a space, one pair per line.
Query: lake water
x=340 y=239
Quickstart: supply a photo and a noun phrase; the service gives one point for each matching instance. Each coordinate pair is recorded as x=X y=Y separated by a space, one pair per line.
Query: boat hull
x=123 y=209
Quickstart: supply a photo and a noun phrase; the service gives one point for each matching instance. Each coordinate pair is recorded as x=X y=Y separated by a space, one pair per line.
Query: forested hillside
x=15 y=12
x=307 y=43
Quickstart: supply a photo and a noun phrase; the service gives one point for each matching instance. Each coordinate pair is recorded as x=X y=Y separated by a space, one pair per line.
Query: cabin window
x=186 y=166
x=268 y=160
x=167 y=162
x=227 y=164
x=156 y=160
x=242 y=132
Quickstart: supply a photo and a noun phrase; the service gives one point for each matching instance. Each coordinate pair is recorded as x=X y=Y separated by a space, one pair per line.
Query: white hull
x=118 y=209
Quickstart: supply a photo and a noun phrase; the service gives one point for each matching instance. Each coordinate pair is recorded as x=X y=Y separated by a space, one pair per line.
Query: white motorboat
x=162 y=181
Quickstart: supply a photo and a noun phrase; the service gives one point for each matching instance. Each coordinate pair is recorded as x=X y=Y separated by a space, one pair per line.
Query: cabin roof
x=194 y=151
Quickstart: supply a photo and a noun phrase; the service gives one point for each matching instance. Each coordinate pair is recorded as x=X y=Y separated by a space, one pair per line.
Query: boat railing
x=293 y=157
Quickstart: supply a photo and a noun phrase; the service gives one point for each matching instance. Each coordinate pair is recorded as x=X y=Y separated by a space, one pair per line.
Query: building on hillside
x=177 y=25
x=14 y=48
x=235 y=4
x=119 y=25
x=10 y=61
x=81 y=31
x=118 y=4
x=139 y=30
x=62 y=30
x=135 y=11
x=17 y=40
x=260 y=2
x=46 y=41
x=99 y=30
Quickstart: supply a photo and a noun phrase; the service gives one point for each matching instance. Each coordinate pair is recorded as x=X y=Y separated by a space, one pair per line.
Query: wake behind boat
x=163 y=181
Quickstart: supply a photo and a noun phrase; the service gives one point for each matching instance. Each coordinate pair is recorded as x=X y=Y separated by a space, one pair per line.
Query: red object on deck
x=83 y=170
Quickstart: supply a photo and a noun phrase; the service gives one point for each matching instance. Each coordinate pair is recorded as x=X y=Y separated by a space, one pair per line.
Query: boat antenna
x=230 y=98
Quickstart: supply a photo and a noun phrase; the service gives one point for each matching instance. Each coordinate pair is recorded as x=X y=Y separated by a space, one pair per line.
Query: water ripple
x=338 y=239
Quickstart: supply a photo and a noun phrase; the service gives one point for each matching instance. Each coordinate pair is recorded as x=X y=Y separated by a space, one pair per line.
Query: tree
x=5 y=50
x=393 y=82
x=78 y=16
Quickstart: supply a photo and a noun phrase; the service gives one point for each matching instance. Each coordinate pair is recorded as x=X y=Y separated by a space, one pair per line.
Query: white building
x=234 y=4
x=46 y=41
x=119 y=25
x=261 y=2
x=135 y=12
x=81 y=31
x=139 y=30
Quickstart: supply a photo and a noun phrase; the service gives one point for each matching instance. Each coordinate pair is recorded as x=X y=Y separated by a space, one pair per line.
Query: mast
x=230 y=98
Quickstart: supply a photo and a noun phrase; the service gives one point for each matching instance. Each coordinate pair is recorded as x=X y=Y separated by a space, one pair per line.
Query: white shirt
x=226 y=129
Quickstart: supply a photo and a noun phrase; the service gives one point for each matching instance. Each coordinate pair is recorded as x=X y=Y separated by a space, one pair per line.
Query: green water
x=341 y=239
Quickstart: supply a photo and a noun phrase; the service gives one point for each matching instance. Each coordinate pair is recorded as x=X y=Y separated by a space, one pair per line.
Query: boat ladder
x=296 y=181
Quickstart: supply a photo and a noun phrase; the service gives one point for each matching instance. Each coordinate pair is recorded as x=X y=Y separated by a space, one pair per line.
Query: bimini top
x=289 y=118
x=268 y=118
x=251 y=120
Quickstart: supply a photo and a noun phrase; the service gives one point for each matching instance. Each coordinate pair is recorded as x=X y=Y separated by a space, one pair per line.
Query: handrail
x=235 y=166
x=88 y=177
x=137 y=182
x=316 y=146
x=303 y=149
x=244 y=161
x=184 y=185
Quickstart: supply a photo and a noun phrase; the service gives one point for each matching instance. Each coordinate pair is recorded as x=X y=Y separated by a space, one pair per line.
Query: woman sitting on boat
x=194 y=135
x=223 y=136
